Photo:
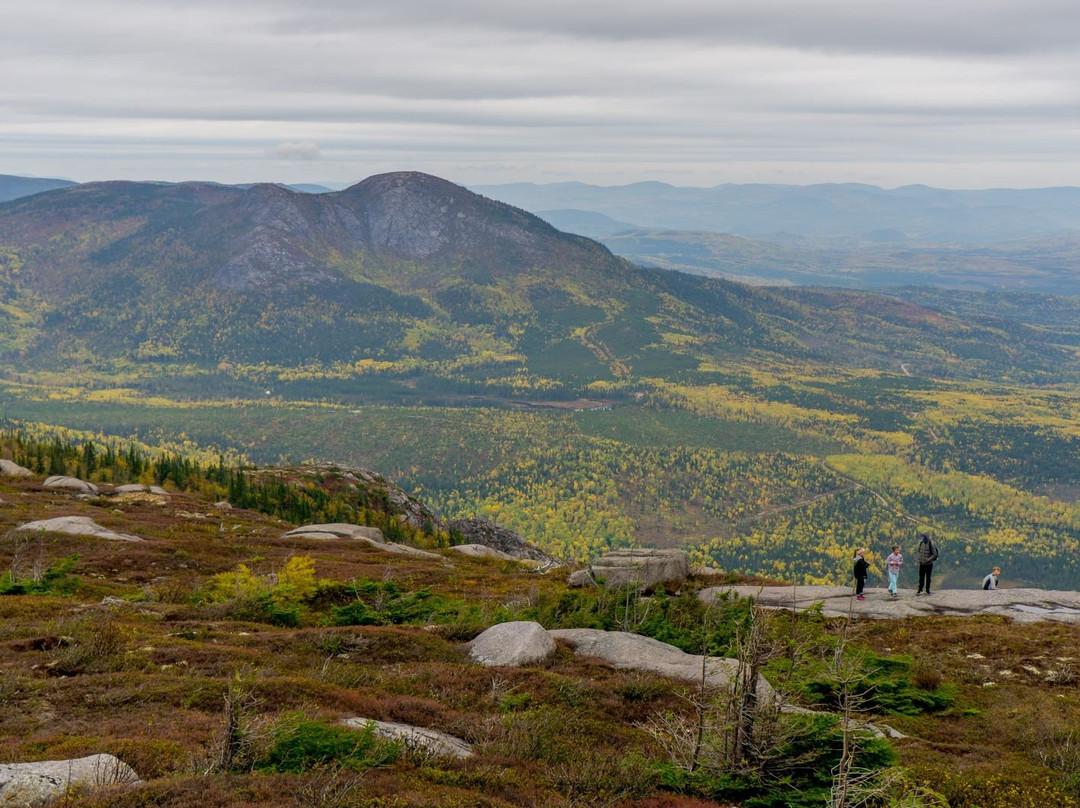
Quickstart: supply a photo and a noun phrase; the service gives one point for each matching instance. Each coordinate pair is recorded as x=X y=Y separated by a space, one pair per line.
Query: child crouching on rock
x=861 y=568
x=991 y=580
x=892 y=565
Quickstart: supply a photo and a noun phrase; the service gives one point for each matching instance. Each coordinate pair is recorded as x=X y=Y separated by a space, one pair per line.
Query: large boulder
x=77 y=526
x=370 y=535
x=480 y=551
x=335 y=530
x=580 y=578
x=520 y=642
x=136 y=488
x=427 y=740
x=622 y=649
x=71 y=484
x=9 y=468
x=30 y=784
x=643 y=567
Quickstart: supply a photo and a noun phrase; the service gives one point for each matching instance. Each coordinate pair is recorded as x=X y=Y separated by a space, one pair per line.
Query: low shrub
x=889 y=687
x=305 y=745
x=384 y=603
x=55 y=580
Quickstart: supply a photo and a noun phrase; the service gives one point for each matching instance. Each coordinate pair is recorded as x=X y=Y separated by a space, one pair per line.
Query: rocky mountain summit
x=269 y=239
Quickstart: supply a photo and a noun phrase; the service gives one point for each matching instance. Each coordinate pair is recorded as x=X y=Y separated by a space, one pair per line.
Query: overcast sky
x=952 y=93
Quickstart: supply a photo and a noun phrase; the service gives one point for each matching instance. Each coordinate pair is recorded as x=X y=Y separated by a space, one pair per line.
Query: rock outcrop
x=403 y=506
x=29 y=784
x=336 y=530
x=520 y=642
x=71 y=484
x=579 y=578
x=427 y=740
x=136 y=488
x=622 y=649
x=77 y=526
x=9 y=468
x=1022 y=605
x=369 y=535
x=480 y=551
x=643 y=567
x=489 y=534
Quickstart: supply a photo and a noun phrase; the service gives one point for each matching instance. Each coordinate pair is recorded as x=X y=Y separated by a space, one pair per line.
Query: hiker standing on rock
x=892 y=566
x=861 y=568
x=927 y=554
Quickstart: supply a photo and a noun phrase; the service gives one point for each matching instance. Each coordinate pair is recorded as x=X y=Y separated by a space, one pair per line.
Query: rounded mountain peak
x=421 y=216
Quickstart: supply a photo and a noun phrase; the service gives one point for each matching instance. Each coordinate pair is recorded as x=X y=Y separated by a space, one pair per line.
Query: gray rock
x=9 y=468
x=223 y=506
x=622 y=649
x=29 y=784
x=71 y=484
x=520 y=642
x=136 y=488
x=370 y=535
x=77 y=526
x=645 y=567
x=497 y=537
x=403 y=549
x=1022 y=605
x=480 y=551
x=701 y=571
x=336 y=530
x=580 y=578
x=427 y=740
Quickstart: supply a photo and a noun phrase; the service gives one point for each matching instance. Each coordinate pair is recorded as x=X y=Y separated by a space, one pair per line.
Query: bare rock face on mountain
x=644 y=567
x=483 y=531
x=417 y=215
x=520 y=642
x=30 y=784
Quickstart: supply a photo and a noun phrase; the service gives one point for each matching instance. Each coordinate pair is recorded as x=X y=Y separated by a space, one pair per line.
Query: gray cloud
x=896 y=92
x=303 y=150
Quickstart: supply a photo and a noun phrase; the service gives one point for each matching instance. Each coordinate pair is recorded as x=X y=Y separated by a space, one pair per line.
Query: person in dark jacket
x=860 y=571
x=926 y=555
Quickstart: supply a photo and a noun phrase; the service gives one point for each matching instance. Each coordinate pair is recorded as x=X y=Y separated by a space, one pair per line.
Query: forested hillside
x=476 y=355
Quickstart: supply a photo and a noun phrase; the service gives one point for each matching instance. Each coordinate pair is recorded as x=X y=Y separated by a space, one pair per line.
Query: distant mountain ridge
x=824 y=211
x=12 y=187
x=417 y=275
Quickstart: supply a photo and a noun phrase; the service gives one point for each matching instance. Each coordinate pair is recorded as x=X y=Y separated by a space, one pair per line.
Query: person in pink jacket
x=892 y=565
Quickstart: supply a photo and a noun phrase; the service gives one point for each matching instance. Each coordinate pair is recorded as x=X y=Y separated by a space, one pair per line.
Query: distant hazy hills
x=829 y=211
x=836 y=235
x=12 y=187
x=426 y=279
